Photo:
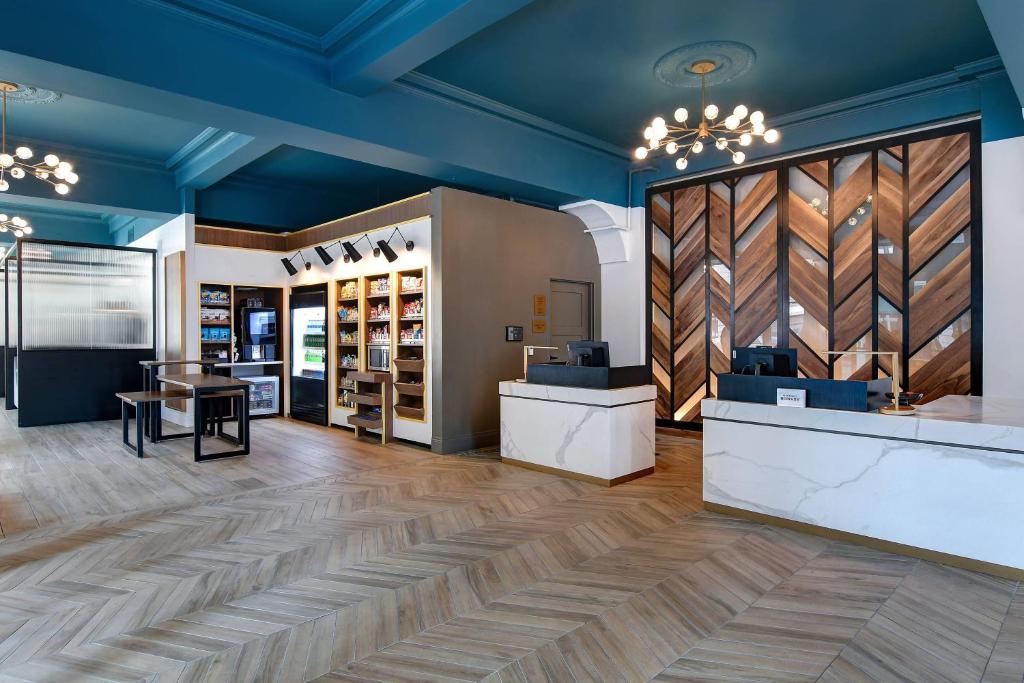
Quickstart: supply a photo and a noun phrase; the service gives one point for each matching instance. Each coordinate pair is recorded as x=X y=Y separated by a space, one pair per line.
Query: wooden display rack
x=372 y=399
x=410 y=344
x=349 y=335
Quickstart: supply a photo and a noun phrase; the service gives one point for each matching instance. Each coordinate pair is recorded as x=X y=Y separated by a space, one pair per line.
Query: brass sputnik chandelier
x=16 y=224
x=51 y=169
x=732 y=130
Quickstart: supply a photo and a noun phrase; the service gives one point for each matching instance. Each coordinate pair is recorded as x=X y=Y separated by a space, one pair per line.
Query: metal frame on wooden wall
x=904 y=144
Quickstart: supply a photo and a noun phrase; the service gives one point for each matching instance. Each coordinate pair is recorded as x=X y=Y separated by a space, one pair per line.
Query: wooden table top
x=158 y=363
x=203 y=381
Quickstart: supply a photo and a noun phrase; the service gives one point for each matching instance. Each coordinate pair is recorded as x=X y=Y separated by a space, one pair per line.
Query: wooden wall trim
x=379 y=218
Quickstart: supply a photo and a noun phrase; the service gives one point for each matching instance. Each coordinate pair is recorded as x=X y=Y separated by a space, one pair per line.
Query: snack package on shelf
x=349 y=290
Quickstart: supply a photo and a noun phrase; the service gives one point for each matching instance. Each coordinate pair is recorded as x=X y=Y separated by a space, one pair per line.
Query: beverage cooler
x=308 y=378
x=264 y=395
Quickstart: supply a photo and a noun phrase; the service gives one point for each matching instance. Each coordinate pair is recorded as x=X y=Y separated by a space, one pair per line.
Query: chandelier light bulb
x=64 y=166
x=757 y=129
x=17 y=173
x=740 y=111
x=671 y=148
x=681 y=114
x=60 y=173
x=746 y=139
x=42 y=175
x=71 y=178
x=19 y=221
x=711 y=111
x=697 y=147
x=3 y=217
x=757 y=117
x=6 y=160
x=732 y=122
x=738 y=157
x=639 y=153
x=3 y=228
x=51 y=159
x=4 y=185
x=62 y=188
x=27 y=229
x=653 y=143
x=681 y=164
x=19 y=233
x=23 y=153
x=721 y=143
x=771 y=135
x=648 y=133
x=658 y=122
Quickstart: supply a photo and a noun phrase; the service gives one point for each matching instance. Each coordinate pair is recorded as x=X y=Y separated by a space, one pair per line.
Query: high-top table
x=153 y=414
x=209 y=386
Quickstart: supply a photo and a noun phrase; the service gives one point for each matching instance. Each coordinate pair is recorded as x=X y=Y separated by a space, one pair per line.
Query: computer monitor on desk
x=764 y=360
x=591 y=354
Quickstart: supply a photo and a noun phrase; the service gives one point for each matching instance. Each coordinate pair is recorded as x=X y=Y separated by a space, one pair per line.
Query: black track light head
x=324 y=256
x=287 y=263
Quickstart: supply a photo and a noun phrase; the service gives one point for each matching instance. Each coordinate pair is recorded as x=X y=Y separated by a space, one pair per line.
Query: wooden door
x=571 y=313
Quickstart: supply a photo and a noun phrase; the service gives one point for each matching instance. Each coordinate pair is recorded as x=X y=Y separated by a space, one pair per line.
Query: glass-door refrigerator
x=308 y=307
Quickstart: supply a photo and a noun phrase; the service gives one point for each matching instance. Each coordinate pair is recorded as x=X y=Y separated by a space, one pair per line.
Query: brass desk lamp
x=895 y=408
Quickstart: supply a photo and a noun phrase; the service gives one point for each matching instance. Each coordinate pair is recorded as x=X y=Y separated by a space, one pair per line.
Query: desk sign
x=793 y=398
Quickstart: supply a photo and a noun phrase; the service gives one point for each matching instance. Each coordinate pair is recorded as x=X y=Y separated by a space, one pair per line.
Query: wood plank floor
x=354 y=563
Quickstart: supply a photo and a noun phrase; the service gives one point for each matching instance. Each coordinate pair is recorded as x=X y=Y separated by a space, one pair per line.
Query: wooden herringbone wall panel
x=689 y=342
x=940 y=265
x=661 y=288
x=875 y=249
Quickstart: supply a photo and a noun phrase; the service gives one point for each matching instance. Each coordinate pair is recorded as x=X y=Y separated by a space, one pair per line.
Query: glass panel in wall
x=78 y=297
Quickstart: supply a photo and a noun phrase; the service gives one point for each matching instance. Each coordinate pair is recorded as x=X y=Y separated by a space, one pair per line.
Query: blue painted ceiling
x=109 y=128
x=573 y=74
x=587 y=64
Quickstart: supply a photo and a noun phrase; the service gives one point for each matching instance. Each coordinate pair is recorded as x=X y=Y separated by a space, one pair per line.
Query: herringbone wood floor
x=403 y=566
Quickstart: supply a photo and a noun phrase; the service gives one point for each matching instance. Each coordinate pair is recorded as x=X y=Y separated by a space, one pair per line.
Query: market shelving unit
x=410 y=344
x=377 y=310
x=371 y=398
x=215 y=322
x=349 y=335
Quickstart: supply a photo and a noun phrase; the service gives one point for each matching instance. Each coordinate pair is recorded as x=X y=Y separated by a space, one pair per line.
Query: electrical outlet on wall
x=513 y=333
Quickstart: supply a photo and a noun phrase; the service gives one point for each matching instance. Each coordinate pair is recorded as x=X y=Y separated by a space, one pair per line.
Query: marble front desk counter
x=946 y=484
x=605 y=436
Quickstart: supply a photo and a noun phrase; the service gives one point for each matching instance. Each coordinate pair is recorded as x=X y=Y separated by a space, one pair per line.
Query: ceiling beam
x=1005 y=18
x=192 y=71
x=213 y=155
x=411 y=35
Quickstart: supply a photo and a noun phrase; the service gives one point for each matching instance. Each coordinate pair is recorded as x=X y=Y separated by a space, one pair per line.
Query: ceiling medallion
x=16 y=224
x=60 y=174
x=731 y=130
x=732 y=60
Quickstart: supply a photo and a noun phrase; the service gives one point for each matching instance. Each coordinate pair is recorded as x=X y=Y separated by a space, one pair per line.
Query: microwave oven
x=379 y=358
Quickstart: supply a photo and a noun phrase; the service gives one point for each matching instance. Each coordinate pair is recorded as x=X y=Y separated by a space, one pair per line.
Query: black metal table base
x=200 y=428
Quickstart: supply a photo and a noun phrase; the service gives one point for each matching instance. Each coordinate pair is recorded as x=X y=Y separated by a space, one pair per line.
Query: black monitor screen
x=589 y=353
x=764 y=360
x=260 y=326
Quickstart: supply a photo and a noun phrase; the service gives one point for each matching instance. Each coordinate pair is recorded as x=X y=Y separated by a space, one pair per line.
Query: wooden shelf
x=386 y=342
x=215 y=305
x=386 y=295
x=365 y=399
x=409 y=412
x=410 y=292
x=419 y=343
x=365 y=421
x=415 y=318
x=347 y=299
x=211 y=341
x=409 y=388
x=409 y=364
x=378 y=320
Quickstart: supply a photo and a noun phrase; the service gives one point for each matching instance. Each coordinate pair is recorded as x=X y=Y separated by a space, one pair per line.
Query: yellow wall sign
x=540 y=326
x=540 y=307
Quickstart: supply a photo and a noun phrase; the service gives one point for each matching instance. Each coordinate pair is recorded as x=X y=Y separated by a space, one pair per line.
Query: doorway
x=572 y=314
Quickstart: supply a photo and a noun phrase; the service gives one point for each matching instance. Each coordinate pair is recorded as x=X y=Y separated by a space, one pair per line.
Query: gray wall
x=489 y=258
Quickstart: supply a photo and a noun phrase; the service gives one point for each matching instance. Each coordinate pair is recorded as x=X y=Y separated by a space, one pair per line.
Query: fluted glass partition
x=84 y=297
x=11 y=267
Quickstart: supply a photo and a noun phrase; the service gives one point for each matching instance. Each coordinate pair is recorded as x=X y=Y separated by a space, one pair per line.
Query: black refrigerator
x=308 y=340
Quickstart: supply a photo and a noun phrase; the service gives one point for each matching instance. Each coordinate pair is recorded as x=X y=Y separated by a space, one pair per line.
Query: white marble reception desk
x=604 y=436
x=946 y=484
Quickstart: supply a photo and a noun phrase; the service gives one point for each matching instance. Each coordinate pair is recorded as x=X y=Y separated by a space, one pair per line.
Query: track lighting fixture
x=351 y=253
x=321 y=251
x=287 y=263
x=385 y=246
